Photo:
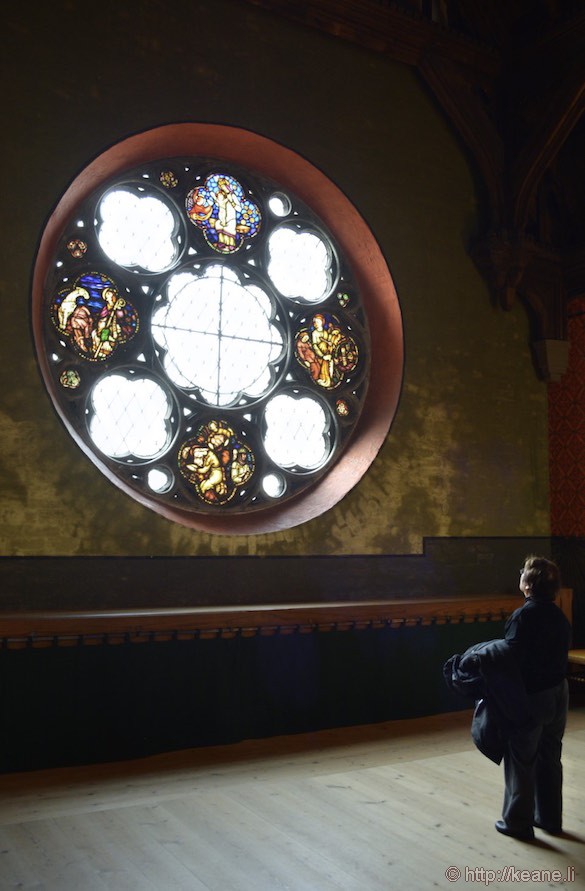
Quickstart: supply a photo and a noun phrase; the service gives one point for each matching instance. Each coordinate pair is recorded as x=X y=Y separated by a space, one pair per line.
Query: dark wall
x=65 y=706
x=448 y=567
x=467 y=452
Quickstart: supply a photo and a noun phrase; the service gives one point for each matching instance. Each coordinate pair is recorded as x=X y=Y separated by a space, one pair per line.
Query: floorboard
x=371 y=808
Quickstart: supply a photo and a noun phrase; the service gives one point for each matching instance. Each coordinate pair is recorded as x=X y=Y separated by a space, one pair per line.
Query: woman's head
x=540 y=578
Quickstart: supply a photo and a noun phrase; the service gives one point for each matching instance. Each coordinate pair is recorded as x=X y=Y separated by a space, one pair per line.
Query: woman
x=539 y=635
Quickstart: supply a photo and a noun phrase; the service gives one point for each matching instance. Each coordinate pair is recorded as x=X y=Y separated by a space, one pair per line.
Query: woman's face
x=523 y=586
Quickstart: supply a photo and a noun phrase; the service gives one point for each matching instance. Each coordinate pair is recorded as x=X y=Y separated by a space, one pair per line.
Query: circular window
x=204 y=330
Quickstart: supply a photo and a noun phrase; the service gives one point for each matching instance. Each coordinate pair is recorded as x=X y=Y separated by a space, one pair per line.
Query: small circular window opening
x=203 y=335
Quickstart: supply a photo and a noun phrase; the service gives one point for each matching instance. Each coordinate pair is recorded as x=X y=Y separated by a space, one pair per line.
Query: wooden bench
x=577 y=666
x=576 y=657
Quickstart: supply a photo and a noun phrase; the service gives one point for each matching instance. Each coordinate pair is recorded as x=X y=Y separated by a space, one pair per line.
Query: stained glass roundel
x=201 y=325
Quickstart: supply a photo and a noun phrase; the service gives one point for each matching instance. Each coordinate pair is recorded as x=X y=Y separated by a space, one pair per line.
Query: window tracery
x=203 y=335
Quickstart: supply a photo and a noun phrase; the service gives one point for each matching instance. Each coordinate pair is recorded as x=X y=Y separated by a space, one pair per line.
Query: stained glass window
x=207 y=336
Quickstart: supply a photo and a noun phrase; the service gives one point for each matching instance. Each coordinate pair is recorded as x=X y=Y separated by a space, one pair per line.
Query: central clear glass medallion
x=219 y=335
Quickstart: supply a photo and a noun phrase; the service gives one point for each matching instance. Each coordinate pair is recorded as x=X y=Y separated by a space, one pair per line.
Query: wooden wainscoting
x=73 y=628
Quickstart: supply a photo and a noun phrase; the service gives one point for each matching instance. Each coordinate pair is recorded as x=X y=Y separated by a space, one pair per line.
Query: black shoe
x=550 y=830
x=523 y=834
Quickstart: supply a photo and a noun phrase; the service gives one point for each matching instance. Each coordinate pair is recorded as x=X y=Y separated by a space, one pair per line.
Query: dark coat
x=489 y=673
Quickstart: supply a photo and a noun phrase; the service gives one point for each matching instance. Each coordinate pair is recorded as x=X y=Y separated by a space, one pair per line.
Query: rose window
x=206 y=336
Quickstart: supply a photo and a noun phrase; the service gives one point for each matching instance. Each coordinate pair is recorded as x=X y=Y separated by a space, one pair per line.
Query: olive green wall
x=467 y=453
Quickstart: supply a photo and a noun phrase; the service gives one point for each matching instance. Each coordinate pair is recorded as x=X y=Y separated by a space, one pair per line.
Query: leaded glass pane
x=224 y=214
x=300 y=264
x=160 y=479
x=137 y=230
x=94 y=316
x=131 y=416
x=217 y=462
x=218 y=335
x=326 y=350
x=297 y=432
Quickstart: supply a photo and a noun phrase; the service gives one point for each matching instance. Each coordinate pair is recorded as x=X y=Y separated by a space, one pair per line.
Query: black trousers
x=533 y=771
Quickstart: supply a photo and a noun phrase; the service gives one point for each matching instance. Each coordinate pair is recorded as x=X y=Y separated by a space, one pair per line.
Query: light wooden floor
x=387 y=806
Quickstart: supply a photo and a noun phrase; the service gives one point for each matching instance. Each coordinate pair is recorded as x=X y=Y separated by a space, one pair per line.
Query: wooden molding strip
x=385 y=28
x=61 y=628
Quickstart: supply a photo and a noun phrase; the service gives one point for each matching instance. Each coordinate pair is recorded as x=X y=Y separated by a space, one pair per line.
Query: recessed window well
x=217 y=328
